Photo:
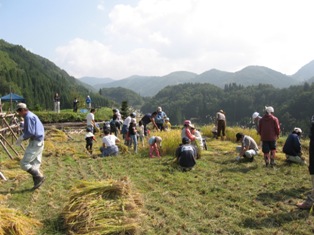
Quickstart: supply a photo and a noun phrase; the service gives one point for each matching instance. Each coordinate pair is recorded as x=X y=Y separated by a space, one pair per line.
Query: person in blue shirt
x=160 y=118
x=88 y=102
x=34 y=132
x=292 y=147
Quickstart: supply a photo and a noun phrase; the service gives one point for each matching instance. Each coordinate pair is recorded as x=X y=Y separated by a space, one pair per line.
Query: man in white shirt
x=109 y=147
x=90 y=120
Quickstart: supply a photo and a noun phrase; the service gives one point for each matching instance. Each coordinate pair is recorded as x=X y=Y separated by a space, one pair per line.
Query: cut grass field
x=219 y=196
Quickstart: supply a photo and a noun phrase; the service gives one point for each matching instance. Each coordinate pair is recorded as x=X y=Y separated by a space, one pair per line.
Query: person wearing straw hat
x=292 y=147
x=221 y=124
x=34 y=132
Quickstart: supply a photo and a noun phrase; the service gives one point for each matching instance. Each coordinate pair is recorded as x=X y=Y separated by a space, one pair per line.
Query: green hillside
x=37 y=79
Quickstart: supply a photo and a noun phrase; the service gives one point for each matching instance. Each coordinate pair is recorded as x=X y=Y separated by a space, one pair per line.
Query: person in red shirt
x=269 y=130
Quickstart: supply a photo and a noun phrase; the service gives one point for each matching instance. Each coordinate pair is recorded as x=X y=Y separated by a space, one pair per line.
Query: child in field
x=154 y=146
x=167 y=124
x=141 y=132
x=198 y=136
x=89 y=137
x=133 y=135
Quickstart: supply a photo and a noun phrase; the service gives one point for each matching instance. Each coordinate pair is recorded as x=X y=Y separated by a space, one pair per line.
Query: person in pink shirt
x=186 y=130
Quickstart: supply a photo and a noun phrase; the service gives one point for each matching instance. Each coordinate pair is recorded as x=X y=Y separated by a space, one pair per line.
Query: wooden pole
x=2 y=138
x=5 y=121
x=5 y=148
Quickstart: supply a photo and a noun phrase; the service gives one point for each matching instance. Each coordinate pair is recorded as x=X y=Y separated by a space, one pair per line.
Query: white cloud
x=156 y=37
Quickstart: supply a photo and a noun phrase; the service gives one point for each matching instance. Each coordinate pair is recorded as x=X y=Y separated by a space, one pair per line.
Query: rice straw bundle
x=13 y=222
x=106 y=207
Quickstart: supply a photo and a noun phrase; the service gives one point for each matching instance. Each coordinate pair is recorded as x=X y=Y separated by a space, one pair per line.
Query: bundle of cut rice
x=106 y=207
x=13 y=222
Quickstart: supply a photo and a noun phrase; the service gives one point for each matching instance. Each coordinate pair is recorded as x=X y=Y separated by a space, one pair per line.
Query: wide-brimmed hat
x=187 y=122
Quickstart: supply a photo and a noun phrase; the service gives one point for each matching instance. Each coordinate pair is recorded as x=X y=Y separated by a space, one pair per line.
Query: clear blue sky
x=121 y=38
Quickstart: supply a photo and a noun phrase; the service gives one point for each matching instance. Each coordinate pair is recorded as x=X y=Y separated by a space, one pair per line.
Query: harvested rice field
x=133 y=194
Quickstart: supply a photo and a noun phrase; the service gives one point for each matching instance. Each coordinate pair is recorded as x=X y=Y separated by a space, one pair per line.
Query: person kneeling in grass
x=186 y=154
x=248 y=148
x=292 y=147
x=109 y=147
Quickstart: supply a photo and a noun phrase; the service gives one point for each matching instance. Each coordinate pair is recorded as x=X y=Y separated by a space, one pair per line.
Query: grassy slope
x=218 y=197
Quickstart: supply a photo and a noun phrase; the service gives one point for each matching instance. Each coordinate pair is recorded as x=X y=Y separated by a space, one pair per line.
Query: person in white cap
x=256 y=117
x=34 y=132
x=308 y=203
x=269 y=130
x=292 y=147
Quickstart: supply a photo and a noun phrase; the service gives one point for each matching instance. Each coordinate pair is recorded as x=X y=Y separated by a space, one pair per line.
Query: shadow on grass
x=241 y=168
x=280 y=195
x=17 y=191
x=274 y=220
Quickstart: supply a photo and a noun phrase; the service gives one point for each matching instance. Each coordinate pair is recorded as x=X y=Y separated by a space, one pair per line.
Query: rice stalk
x=106 y=207
x=13 y=222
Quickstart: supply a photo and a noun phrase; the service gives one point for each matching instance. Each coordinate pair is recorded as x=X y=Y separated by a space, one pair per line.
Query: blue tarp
x=13 y=97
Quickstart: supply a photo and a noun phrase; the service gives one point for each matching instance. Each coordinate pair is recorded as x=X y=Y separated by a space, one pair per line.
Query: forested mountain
x=119 y=94
x=37 y=79
x=200 y=102
x=92 y=81
x=250 y=75
x=150 y=85
x=305 y=73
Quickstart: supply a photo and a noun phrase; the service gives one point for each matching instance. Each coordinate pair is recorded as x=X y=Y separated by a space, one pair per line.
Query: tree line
x=200 y=102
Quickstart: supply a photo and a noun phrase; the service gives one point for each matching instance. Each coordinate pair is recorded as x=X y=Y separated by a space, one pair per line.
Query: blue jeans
x=134 y=142
x=109 y=151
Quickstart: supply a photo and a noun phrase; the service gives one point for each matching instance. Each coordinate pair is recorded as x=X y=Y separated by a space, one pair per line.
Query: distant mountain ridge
x=250 y=75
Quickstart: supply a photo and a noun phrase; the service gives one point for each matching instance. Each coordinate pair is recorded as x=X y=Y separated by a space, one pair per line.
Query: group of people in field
x=134 y=133
x=268 y=128
x=186 y=154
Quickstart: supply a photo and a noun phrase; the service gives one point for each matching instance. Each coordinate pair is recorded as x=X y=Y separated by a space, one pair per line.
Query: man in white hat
x=34 y=132
x=269 y=130
x=292 y=147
